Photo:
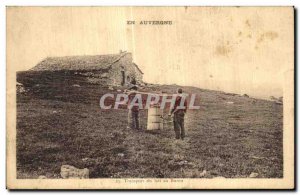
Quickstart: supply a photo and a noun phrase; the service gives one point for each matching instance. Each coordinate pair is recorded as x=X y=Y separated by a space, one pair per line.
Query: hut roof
x=87 y=62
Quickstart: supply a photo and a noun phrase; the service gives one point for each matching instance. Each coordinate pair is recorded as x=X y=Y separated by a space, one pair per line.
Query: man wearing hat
x=178 y=113
x=133 y=111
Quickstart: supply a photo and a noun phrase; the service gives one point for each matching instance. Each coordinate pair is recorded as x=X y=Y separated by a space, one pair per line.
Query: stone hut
x=113 y=69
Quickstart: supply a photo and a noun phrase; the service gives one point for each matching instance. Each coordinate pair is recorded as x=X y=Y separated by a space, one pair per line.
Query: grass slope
x=58 y=124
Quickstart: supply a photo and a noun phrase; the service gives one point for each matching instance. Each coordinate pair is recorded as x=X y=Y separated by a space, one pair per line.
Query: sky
x=232 y=49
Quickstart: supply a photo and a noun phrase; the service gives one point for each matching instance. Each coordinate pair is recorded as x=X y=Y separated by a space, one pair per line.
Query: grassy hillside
x=59 y=122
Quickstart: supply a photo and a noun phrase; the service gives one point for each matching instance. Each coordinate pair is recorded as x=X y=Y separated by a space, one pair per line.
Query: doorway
x=123 y=77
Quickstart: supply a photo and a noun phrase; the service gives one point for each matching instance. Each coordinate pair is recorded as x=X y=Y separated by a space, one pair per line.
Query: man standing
x=178 y=112
x=133 y=111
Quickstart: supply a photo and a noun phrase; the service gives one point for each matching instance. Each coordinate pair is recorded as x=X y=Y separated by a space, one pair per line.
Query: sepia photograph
x=150 y=97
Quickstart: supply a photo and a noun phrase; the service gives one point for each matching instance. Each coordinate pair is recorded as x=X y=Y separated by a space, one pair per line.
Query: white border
x=5 y=3
x=148 y=3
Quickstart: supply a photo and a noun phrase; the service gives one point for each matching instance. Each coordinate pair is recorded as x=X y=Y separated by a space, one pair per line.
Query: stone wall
x=139 y=76
x=113 y=76
x=96 y=76
x=130 y=71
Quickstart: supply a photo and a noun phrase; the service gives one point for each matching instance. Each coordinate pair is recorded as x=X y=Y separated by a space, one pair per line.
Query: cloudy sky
x=240 y=50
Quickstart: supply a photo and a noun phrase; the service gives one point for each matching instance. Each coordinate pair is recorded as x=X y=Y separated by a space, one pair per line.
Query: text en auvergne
x=150 y=22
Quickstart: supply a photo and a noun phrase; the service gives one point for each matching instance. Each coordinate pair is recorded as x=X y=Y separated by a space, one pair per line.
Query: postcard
x=150 y=97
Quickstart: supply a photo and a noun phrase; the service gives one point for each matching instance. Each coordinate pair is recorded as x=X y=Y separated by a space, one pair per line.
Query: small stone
x=68 y=171
x=42 y=177
x=110 y=88
x=256 y=157
x=104 y=75
x=119 y=90
x=203 y=173
x=76 y=85
x=246 y=95
x=19 y=84
x=253 y=175
x=120 y=154
x=221 y=165
x=20 y=88
x=183 y=162
x=273 y=98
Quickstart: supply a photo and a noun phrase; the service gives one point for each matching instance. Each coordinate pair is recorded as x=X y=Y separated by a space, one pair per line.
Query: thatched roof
x=96 y=62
